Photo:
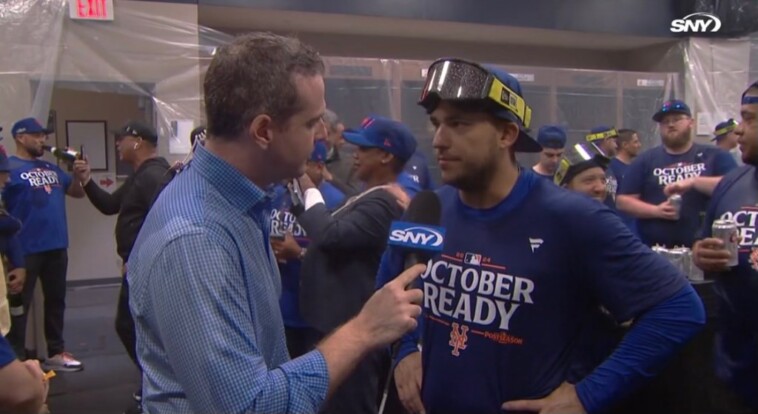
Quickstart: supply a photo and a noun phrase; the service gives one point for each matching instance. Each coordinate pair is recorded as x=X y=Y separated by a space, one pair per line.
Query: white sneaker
x=63 y=362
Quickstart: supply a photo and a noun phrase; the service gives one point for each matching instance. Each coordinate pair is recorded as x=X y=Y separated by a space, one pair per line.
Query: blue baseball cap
x=674 y=106
x=724 y=128
x=28 y=126
x=383 y=133
x=319 y=151
x=551 y=136
x=524 y=142
x=4 y=164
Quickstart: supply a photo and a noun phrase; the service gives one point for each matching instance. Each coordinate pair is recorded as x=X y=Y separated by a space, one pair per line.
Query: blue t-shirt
x=654 y=169
x=416 y=175
x=619 y=169
x=507 y=299
x=611 y=188
x=283 y=221
x=36 y=195
x=736 y=198
x=549 y=177
x=7 y=355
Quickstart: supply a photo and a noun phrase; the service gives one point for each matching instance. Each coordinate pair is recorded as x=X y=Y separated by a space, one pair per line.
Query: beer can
x=676 y=201
x=726 y=231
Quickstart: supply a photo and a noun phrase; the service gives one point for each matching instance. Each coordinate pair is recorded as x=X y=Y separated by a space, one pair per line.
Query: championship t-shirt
x=654 y=169
x=506 y=300
x=36 y=195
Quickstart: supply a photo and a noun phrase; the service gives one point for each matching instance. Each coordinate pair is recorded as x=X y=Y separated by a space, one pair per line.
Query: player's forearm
x=635 y=207
x=653 y=340
x=706 y=185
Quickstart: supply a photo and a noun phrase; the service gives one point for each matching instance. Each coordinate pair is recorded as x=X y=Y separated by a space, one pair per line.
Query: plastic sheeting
x=160 y=58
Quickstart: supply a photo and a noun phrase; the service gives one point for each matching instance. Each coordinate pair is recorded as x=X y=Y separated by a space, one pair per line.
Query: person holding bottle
x=36 y=195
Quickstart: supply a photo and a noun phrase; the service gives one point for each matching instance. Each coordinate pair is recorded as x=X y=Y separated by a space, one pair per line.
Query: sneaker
x=63 y=362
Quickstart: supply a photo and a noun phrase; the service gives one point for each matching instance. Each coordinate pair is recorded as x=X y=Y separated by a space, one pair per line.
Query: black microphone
x=420 y=238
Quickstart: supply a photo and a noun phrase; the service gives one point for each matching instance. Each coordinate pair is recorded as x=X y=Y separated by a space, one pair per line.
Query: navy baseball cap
x=28 y=126
x=674 y=106
x=723 y=128
x=137 y=129
x=551 y=136
x=319 y=151
x=600 y=133
x=4 y=164
x=383 y=133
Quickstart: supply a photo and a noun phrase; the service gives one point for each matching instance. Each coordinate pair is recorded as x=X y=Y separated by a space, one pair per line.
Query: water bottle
x=16 y=304
x=65 y=154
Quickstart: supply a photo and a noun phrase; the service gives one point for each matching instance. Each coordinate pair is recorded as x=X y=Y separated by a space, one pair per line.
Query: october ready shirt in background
x=505 y=302
x=619 y=169
x=654 y=169
x=204 y=291
x=36 y=195
x=736 y=198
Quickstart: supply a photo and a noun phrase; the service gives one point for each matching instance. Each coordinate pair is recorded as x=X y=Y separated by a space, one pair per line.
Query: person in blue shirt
x=523 y=265
x=735 y=198
x=725 y=137
x=416 y=176
x=204 y=285
x=603 y=138
x=36 y=196
x=675 y=166
x=552 y=138
x=629 y=146
x=290 y=243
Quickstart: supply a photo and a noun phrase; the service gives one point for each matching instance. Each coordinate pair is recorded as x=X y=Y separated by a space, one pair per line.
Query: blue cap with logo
x=525 y=142
x=674 y=106
x=319 y=151
x=28 y=126
x=723 y=129
x=383 y=133
x=552 y=136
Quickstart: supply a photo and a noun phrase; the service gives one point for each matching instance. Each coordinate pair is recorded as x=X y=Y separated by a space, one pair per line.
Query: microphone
x=420 y=237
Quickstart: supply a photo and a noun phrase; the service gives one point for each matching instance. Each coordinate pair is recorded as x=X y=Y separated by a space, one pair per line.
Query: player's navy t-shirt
x=506 y=300
x=619 y=169
x=649 y=174
x=611 y=188
x=36 y=195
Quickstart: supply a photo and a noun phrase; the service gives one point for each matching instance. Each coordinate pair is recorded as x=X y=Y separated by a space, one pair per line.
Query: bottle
x=65 y=154
x=16 y=304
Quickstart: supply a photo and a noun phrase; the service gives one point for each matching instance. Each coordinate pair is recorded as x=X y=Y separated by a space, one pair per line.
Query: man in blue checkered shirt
x=204 y=283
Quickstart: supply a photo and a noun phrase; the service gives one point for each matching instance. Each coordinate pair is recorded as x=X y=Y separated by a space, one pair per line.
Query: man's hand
x=679 y=187
x=287 y=248
x=82 y=171
x=391 y=311
x=408 y=382
x=402 y=198
x=16 y=279
x=563 y=400
x=667 y=211
x=710 y=255
x=33 y=366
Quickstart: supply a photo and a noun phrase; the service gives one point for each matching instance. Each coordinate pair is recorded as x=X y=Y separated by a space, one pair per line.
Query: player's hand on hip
x=391 y=311
x=408 y=382
x=710 y=255
x=563 y=400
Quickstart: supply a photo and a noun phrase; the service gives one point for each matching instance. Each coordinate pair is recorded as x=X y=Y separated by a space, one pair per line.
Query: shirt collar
x=227 y=180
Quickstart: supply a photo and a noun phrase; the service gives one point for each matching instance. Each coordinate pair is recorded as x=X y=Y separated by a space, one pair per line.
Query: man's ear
x=260 y=131
x=509 y=134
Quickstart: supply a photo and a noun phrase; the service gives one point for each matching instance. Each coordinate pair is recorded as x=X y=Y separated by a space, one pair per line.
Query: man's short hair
x=253 y=76
x=625 y=135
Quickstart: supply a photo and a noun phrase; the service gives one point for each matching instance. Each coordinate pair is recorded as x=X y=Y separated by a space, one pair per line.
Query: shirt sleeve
x=7 y=355
x=634 y=179
x=205 y=322
x=723 y=162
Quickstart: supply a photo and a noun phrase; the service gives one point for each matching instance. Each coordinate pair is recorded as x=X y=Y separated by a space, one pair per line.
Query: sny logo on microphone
x=416 y=236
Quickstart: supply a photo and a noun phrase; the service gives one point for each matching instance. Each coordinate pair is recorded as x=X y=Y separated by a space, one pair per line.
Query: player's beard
x=678 y=141
x=477 y=178
x=34 y=152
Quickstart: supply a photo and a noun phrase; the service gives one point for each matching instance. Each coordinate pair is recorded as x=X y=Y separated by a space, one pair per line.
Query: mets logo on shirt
x=41 y=178
x=474 y=297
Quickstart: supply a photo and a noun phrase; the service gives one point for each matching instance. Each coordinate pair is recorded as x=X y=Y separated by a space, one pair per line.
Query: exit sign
x=91 y=9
